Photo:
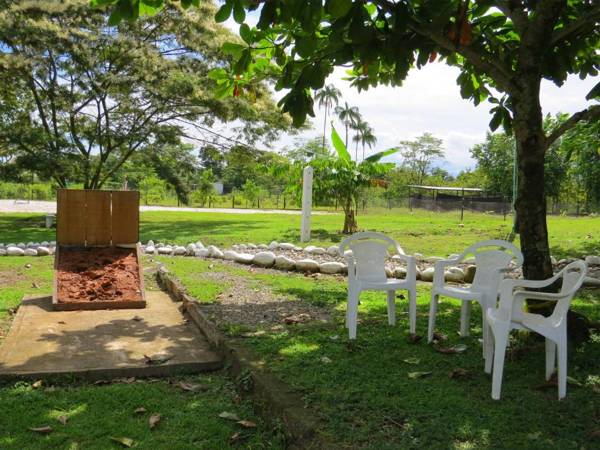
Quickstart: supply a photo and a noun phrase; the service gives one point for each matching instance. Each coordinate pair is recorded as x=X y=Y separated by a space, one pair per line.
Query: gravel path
x=35 y=206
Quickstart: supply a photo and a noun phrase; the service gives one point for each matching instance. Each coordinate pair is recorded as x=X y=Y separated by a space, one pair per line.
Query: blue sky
x=429 y=101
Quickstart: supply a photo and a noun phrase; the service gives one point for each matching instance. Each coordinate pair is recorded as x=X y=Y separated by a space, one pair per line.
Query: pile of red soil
x=87 y=274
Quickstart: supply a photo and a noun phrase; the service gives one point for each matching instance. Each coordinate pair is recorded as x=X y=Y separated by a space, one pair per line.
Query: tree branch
x=590 y=114
x=515 y=11
x=574 y=27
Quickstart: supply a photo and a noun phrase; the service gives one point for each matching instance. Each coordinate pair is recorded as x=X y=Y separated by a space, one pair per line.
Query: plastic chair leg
x=501 y=340
x=432 y=312
x=562 y=368
x=465 y=317
x=488 y=347
x=352 y=314
x=550 y=358
x=391 y=310
x=412 y=310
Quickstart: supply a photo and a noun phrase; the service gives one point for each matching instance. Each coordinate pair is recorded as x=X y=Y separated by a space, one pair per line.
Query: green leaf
x=146 y=9
x=239 y=13
x=339 y=146
x=339 y=8
x=496 y=120
x=377 y=156
x=233 y=49
x=224 y=12
x=242 y=64
x=246 y=33
x=594 y=93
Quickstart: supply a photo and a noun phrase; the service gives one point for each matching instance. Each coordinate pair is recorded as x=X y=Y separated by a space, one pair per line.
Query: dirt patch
x=251 y=304
x=97 y=274
x=10 y=278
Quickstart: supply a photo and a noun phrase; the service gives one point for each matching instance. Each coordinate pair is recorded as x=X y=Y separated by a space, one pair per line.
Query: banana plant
x=342 y=178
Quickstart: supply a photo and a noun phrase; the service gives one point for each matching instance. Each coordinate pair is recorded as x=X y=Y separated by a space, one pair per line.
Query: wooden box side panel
x=71 y=217
x=125 y=217
x=98 y=218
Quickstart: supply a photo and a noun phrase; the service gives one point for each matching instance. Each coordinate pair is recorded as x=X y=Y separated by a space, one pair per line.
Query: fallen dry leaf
x=34 y=285
x=437 y=336
x=237 y=437
x=414 y=338
x=37 y=384
x=412 y=360
x=140 y=410
x=450 y=350
x=137 y=318
x=246 y=423
x=415 y=375
x=594 y=434
x=62 y=322
x=229 y=416
x=42 y=430
x=124 y=441
x=62 y=419
x=296 y=318
x=192 y=387
x=459 y=373
x=157 y=359
x=154 y=420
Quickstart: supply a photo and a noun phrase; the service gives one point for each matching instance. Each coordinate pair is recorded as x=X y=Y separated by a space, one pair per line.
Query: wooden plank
x=125 y=217
x=98 y=217
x=71 y=217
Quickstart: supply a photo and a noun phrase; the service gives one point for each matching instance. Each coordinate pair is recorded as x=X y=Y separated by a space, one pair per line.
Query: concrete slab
x=104 y=344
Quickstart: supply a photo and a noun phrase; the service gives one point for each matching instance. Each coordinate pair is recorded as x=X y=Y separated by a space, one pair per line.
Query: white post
x=306 y=203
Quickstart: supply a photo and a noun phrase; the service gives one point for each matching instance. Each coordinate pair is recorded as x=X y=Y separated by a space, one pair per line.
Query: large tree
x=91 y=93
x=419 y=155
x=503 y=49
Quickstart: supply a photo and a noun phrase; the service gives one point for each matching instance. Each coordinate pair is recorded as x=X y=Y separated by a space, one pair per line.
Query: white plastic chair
x=510 y=315
x=366 y=272
x=492 y=259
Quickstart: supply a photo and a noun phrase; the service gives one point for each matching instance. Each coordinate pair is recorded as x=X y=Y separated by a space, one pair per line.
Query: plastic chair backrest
x=489 y=268
x=369 y=257
x=573 y=276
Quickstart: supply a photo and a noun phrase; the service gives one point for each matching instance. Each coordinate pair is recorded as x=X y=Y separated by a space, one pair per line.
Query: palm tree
x=364 y=135
x=326 y=98
x=349 y=116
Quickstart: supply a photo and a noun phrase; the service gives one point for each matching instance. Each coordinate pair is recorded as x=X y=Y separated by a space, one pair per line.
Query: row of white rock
x=267 y=258
x=30 y=249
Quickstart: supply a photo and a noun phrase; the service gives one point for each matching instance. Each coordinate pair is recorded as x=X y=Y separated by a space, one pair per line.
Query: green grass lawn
x=365 y=397
x=418 y=231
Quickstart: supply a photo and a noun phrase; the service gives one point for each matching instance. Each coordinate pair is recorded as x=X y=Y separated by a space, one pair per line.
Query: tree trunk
x=531 y=199
x=350 y=225
x=325 y=126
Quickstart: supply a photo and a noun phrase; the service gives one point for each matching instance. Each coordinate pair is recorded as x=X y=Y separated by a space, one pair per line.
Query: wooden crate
x=92 y=218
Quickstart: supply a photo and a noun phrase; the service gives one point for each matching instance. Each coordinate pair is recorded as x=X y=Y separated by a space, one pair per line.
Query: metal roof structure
x=445 y=188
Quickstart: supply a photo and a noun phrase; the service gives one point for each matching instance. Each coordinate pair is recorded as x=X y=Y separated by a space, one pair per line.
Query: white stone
x=397 y=258
x=470 y=273
x=454 y=274
x=2 y=252
x=190 y=250
x=53 y=243
x=262 y=246
x=202 y=253
x=285 y=263
x=591 y=282
x=592 y=260
x=252 y=246
x=15 y=251
x=211 y=249
x=150 y=249
x=286 y=246
x=43 y=251
x=21 y=245
x=418 y=256
x=31 y=244
x=230 y=255
x=179 y=250
x=389 y=272
x=242 y=246
x=244 y=258
x=469 y=260
x=333 y=250
x=199 y=245
x=433 y=259
x=216 y=253
x=43 y=244
x=348 y=253
x=31 y=252
x=298 y=249
x=150 y=243
x=164 y=250
x=331 y=267
x=400 y=273
x=264 y=259
x=273 y=245
x=307 y=265
x=453 y=255
x=315 y=250
x=427 y=274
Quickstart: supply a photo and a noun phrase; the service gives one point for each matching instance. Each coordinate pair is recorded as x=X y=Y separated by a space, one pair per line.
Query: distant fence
x=371 y=200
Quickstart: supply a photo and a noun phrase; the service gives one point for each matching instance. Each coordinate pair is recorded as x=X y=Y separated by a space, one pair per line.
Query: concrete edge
x=277 y=402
